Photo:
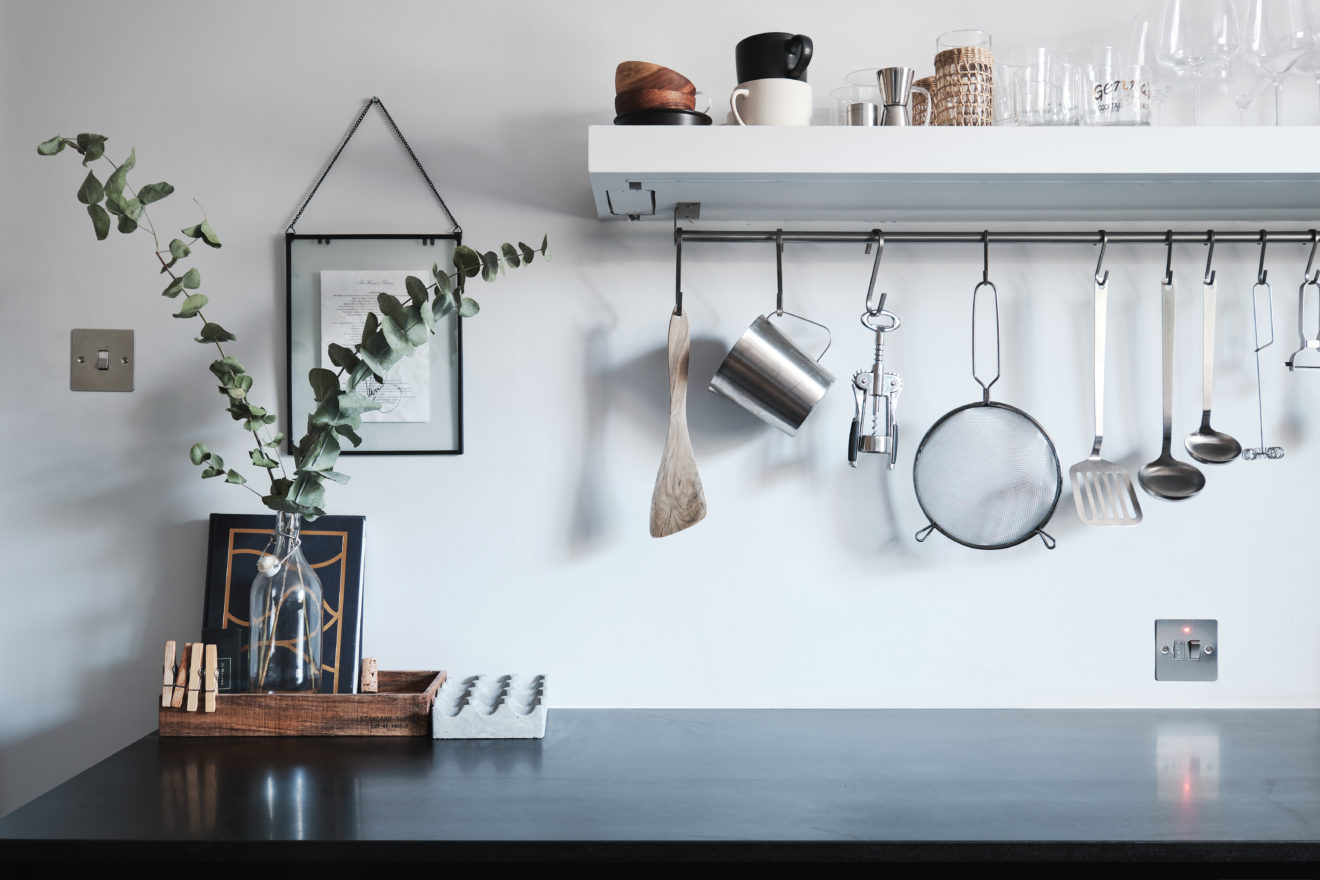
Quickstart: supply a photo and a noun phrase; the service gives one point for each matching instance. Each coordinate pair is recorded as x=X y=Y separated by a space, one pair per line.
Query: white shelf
x=1249 y=174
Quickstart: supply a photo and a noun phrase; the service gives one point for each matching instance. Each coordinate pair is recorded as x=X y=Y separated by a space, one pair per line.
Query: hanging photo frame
x=333 y=283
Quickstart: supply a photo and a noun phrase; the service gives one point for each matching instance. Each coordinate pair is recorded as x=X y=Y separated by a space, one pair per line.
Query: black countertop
x=918 y=786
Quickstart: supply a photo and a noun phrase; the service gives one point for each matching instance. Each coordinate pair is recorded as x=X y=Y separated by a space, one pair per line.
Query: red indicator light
x=1187 y=629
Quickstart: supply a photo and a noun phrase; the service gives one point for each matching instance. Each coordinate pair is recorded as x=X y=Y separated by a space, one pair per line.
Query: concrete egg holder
x=490 y=707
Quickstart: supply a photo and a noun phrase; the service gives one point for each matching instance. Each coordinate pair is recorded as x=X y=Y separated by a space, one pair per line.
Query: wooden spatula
x=678 y=501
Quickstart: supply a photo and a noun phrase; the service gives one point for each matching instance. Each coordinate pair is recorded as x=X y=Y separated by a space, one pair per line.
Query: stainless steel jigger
x=876 y=392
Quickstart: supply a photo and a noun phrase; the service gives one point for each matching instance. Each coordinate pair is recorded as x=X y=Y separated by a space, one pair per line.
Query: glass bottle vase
x=284 y=642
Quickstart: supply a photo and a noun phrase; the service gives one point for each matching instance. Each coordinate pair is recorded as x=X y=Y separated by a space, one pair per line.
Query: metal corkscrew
x=875 y=392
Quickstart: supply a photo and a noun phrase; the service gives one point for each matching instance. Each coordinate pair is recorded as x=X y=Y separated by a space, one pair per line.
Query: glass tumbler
x=963 y=39
x=856 y=104
x=1045 y=97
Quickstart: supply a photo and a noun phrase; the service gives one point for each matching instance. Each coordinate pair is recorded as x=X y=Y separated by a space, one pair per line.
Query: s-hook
x=678 y=271
x=874 y=385
x=1308 y=280
x=1102 y=280
x=1168 y=259
x=976 y=296
x=1210 y=259
x=1262 y=451
x=779 y=271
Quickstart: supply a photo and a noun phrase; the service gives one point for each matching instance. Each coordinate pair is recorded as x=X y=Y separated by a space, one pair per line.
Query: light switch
x=1186 y=650
x=101 y=360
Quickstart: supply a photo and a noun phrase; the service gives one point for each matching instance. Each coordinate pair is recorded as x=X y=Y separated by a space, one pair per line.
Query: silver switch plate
x=101 y=360
x=1186 y=650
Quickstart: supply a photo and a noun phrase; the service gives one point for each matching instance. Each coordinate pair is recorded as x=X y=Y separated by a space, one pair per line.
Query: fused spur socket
x=101 y=360
x=1186 y=650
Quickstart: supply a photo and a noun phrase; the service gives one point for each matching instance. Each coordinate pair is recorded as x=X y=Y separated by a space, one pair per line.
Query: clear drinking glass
x=1195 y=36
x=1007 y=63
x=856 y=104
x=1242 y=81
x=1115 y=94
x=964 y=39
x=1278 y=34
x=1045 y=97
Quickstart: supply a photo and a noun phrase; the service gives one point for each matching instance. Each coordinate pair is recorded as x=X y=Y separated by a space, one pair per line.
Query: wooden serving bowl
x=653 y=99
x=630 y=75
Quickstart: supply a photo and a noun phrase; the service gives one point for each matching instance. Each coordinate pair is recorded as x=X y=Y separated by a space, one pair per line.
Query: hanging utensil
x=1166 y=477
x=986 y=474
x=1102 y=490
x=678 y=501
x=1262 y=451
x=1307 y=345
x=875 y=391
x=1205 y=444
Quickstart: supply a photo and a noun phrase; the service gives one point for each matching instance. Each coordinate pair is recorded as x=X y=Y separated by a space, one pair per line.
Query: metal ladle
x=1166 y=477
x=1207 y=445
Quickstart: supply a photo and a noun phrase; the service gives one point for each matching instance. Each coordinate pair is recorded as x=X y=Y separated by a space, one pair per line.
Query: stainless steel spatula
x=1103 y=490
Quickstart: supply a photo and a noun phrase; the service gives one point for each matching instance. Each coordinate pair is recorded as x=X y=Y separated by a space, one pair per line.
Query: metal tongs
x=875 y=391
x=1309 y=348
x=1262 y=342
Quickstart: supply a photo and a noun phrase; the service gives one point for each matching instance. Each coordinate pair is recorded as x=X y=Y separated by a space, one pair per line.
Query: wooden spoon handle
x=678 y=500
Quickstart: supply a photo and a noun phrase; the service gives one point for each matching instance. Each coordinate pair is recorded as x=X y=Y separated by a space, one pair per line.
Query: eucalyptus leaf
x=92 y=145
x=321 y=453
x=349 y=433
x=388 y=305
x=114 y=202
x=527 y=252
x=324 y=383
x=361 y=370
x=351 y=403
x=441 y=308
x=416 y=290
x=369 y=327
x=127 y=224
x=545 y=246
x=394 y=335
x=212 y=471
x=307 y=490
x=50 y=147
x=325 y=414
x=154 y=192
x=469 y=308
x=341 y=356
x=213 y=332
x=490 y=266
x=179 y=250
x=192 y=304
x=427 y=314
x=467 y=261
x=274 y=442
x=413 y=325
x=132 y=208
x=173 y=289
x=339 y=478
x=203 y=231
x=511 y=255
x=261 y=460
x=91 y=190
x=192 y=279
x=227 y=369
x=114 y=185
x=377 y=354
x=235 y=477
x=100 y=221
x=198 y=453
x=441 y=283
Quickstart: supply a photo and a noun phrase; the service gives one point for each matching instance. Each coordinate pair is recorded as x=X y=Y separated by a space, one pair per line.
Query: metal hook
x=678 y=271
x=1260 y=269
x=985 y=266
x=875 y=270
x=1104 y=243
x=779 y=271
x=1168 y=260
x=1307 y=277
x=1209 y=259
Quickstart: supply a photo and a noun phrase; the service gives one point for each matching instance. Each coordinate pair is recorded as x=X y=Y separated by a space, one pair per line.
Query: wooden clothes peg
x=181 y=677
x=167 y=680
x=194 y=676
x=210 y=679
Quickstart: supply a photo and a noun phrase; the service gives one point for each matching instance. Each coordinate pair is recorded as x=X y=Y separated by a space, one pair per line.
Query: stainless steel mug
x=770 y=377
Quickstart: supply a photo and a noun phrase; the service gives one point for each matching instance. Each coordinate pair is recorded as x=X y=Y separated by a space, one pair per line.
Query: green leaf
x=326 y=413
x=324 y=383
x=361 y=370
x=198 y=453
x=212 y=332
x=100 y=221
x=336 y=476
x=341 y=356
x=126 y=224
x=192 y=304
x=416 y=290
x=545 y=246
x=369 y=327
x=154 y=192
x=307 y=490
x=412 y=324
x=527 y=252
x=377 y=354
x=117 y=180
x=469 y=308
x=91 y=190
x=321 y=451
x=388 y=305
x=353 y=404
x=235 y=477
x=511 y=255
x=92 y=146
x=427 y=314
x=349 y=433
x=467 y=261
x=192 y=279
x=274 y=442
x=441 y=282
x=203 y=231
x=173 y=289
x=490 y=266
x=261 y=460
x=227 y=369
x=50 y=147
x=442 y=307
x=179 y=250
x=395 y=336
x=212 y=471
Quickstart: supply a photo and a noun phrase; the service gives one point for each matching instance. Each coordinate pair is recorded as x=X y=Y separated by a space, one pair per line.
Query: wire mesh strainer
x=986 y=474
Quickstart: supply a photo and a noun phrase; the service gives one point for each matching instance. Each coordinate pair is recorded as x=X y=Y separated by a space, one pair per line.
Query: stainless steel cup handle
x=829 y=337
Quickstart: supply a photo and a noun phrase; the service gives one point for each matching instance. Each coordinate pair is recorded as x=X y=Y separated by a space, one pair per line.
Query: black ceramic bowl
x=662 y=117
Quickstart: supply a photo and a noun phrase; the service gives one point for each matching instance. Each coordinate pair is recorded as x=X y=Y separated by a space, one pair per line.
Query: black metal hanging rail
x=896 y=236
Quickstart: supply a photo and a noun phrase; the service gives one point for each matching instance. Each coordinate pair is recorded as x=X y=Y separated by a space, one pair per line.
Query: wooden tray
x=401 y=708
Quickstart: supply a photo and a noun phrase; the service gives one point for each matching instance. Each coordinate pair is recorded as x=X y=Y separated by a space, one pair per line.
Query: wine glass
x=1243 y=81
x=1196 y=35
x=1278 y=34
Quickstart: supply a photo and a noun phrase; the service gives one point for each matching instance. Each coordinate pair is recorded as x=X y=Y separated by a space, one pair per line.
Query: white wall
x=530 y=552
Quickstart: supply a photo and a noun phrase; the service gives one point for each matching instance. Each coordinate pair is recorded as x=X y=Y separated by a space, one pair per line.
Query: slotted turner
x=1103 y=490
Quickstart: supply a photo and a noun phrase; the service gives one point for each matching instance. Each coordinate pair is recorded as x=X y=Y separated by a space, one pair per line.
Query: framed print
x=333 y=283
x=333 y=547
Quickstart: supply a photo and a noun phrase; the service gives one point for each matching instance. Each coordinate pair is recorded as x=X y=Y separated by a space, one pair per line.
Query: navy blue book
x=332 y=546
